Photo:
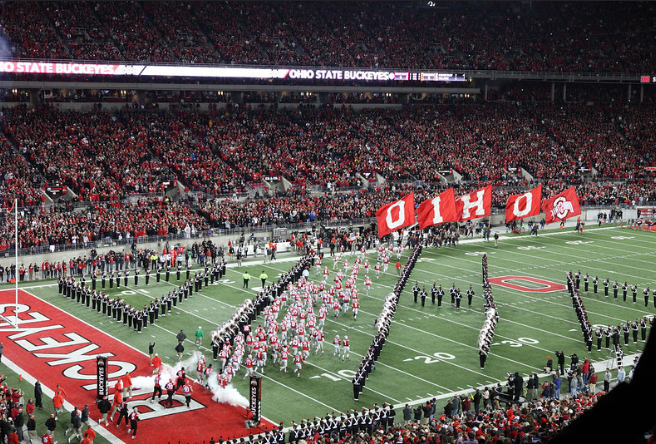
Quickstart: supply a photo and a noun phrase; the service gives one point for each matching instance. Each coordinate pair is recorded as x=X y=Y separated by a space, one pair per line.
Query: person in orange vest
x=157 y=362
x=127 y=384
x=89 y=435
x=58 y=402
x=116 y=407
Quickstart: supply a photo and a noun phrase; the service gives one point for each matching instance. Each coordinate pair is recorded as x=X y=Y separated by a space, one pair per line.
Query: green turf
x=430 y=351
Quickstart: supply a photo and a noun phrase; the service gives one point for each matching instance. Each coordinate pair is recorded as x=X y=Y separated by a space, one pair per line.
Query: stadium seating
x=568 y=37
x=110 y=156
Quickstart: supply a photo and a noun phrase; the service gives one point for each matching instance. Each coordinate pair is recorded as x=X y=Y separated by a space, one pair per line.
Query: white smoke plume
x=228 y=395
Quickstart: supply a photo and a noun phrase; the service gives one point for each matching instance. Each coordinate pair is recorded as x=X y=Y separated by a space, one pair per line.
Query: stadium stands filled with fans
x=169 y=162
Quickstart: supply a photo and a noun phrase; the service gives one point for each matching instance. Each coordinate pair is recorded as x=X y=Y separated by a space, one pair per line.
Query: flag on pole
x=524 y=205
x=562 y=206
x=396 y=215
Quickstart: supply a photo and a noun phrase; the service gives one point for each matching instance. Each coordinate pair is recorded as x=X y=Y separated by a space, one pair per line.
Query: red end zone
x=548 y=286
x=57 y=348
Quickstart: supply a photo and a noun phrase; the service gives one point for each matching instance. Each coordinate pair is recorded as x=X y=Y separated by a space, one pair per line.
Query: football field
x=431 y=351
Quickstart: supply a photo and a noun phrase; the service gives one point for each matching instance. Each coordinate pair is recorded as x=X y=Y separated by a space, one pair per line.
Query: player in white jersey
x=235 y=361
x=284 y=355
x=223 y=356
x=208 y=373
x=317 y=264
x=298 y=360
x=337 y=344
x=319 y=342
x=249 y=366
x=229 y=372
x=200 y=369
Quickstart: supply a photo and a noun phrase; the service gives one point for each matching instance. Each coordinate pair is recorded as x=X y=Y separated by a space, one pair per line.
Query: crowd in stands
x=107 y=157
x=546 y=36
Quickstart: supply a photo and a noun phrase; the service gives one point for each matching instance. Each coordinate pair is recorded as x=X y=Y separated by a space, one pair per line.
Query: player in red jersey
x=346 y=348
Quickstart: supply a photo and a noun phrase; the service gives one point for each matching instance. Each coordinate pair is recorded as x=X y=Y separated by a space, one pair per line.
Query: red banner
x=438 y=210
x=524 y=205
x=475 y=204
x=562 y=206
x=396 y=215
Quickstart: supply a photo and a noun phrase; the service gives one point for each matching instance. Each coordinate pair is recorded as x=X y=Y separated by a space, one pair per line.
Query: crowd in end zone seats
x=545 y=36
x=105 y=157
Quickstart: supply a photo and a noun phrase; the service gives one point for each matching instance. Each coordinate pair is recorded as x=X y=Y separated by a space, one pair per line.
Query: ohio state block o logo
x=548 y=286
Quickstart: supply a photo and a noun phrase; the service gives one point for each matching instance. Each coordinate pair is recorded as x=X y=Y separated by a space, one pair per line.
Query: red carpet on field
x=57 y=348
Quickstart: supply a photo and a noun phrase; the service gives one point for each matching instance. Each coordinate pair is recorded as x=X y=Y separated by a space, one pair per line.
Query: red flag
x=396 y=215
x=438 y=210
x=562 y=206
x=524 y=205
x=475 y=204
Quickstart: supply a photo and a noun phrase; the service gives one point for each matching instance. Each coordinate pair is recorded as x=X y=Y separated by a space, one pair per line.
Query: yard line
x=347 y=379
x=446 y=361
x=36 y=286
x=143 y=292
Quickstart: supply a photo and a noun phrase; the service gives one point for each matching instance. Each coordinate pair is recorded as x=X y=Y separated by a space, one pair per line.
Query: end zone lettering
x=65 y=352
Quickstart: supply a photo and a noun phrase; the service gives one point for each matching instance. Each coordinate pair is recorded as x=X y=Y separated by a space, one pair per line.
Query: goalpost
x=13 y=320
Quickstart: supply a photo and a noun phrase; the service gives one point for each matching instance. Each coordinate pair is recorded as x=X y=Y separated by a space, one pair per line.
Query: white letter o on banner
x=393 y=225
x=527 y=209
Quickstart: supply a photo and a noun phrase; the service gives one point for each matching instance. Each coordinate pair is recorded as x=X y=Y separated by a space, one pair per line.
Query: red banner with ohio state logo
x=524 y=205
x=396 y=215
x=562 y=206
